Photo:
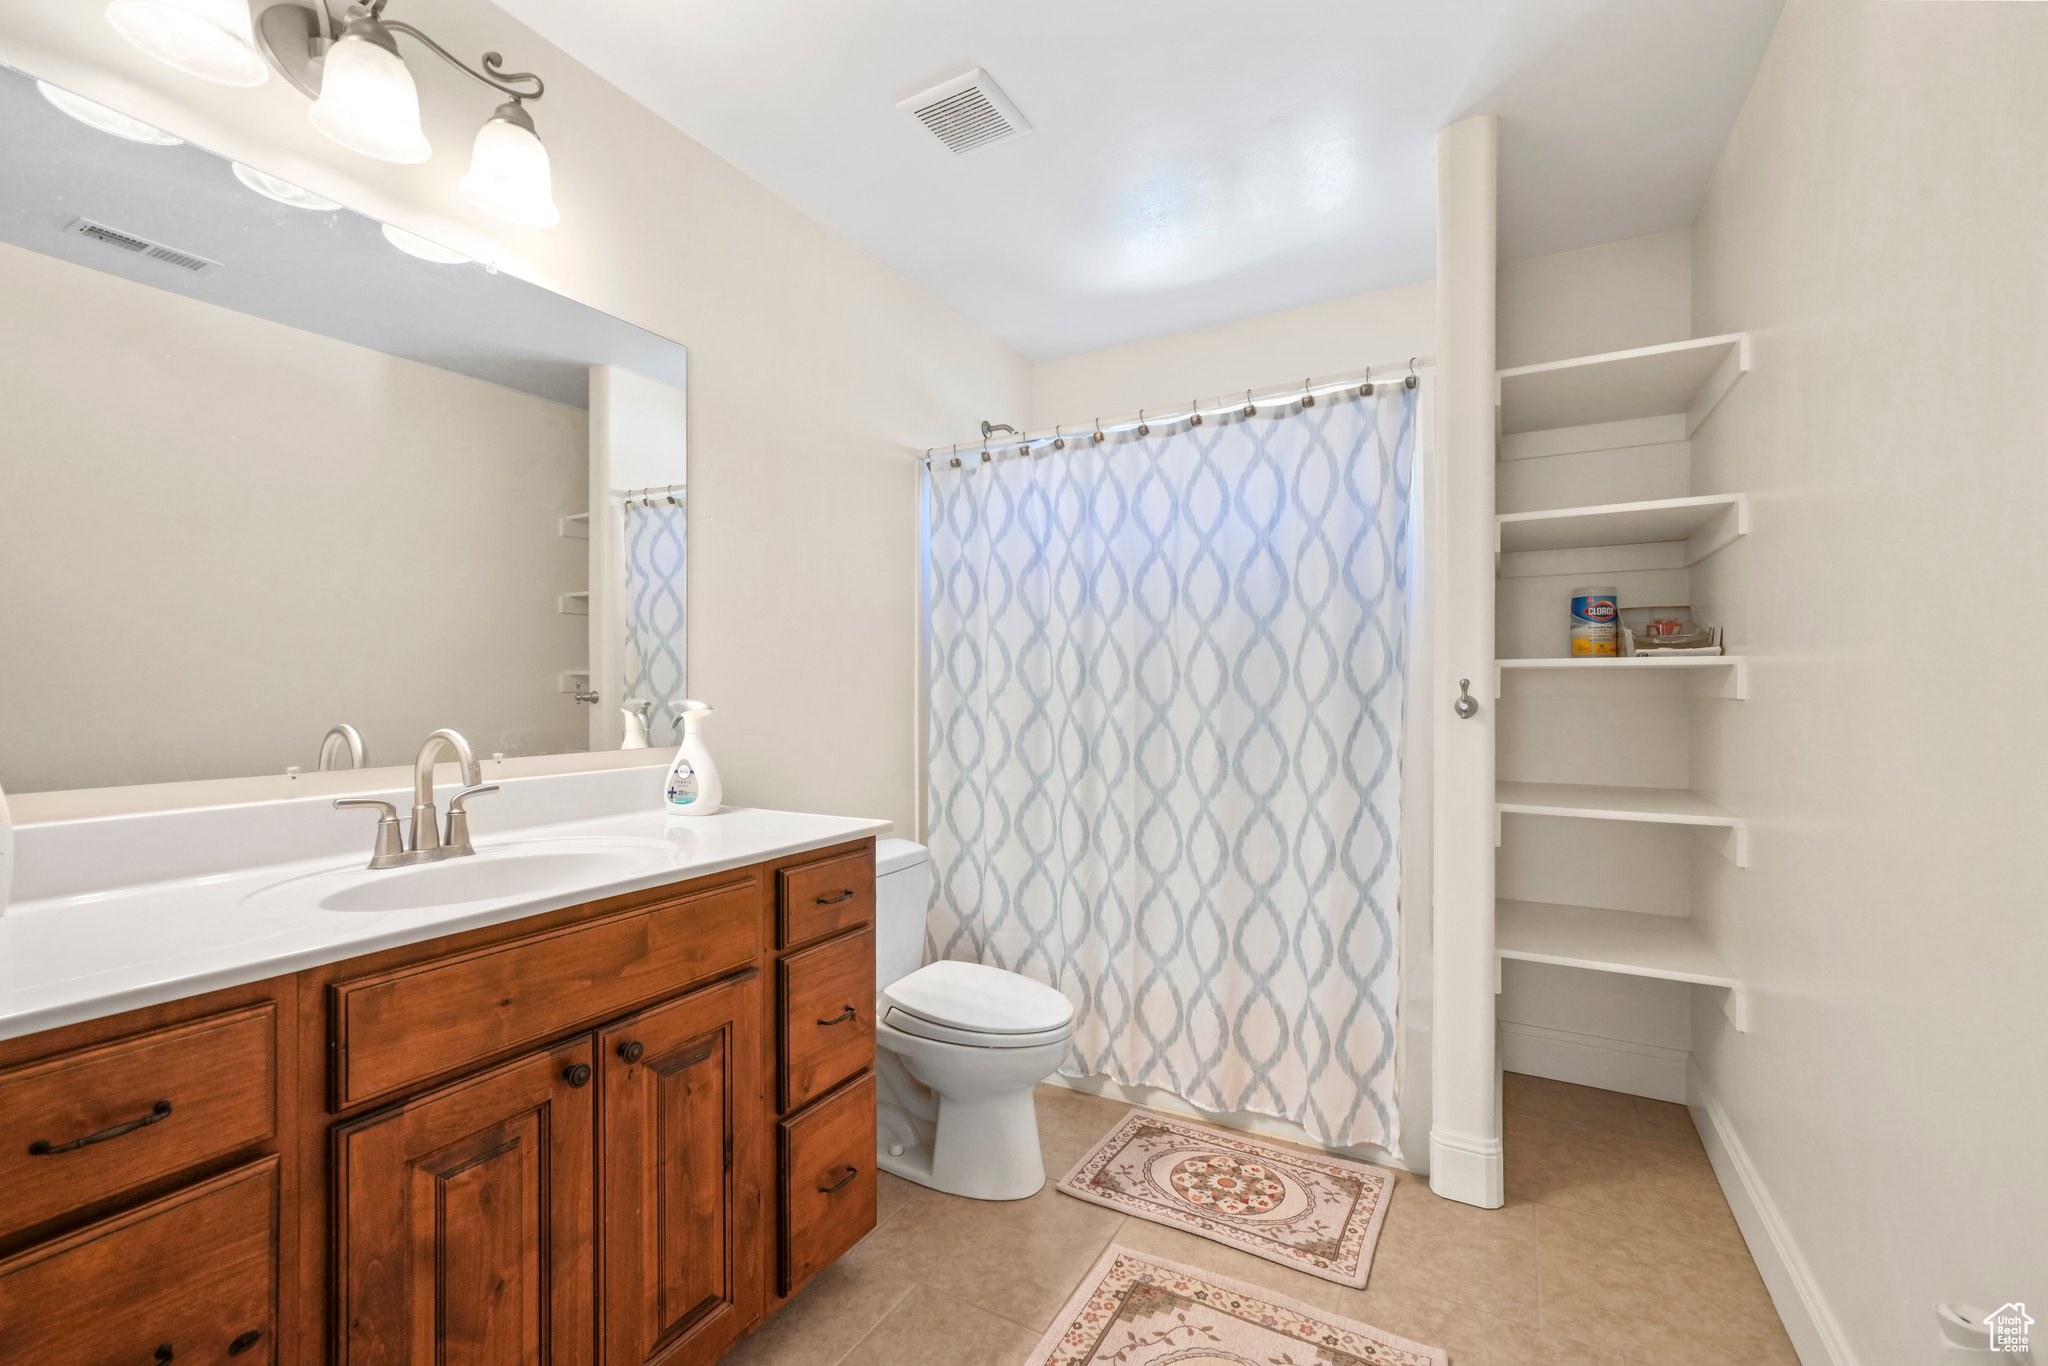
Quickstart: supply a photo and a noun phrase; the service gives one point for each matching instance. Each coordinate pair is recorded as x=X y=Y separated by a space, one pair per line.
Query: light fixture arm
x=493 y=75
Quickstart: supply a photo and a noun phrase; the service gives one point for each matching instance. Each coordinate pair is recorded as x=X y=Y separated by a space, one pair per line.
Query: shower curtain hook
x=1059 y=442
x=1144 y=428
x=955 y=461
x=1365 y=389
x=1308 y=398
x=1409 y=383
x=1098 y=437
x=1194 y=412
x=985 y=456
x=1251 y=409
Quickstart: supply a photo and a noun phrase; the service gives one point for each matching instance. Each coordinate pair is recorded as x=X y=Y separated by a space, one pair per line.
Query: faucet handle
x=457 y=841
x=390 y=838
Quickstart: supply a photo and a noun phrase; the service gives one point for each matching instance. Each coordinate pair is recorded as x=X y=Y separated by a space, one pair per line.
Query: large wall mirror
x=282 y=489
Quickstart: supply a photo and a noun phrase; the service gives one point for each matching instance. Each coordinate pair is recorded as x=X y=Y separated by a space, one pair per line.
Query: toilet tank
x=903 y=893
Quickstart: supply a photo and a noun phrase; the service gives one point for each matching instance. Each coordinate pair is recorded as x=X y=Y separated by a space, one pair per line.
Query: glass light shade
x=412 y=244
x=283 y=191
x=211 y=39
x=106 y=120
x=509 y=174
x=368 y=102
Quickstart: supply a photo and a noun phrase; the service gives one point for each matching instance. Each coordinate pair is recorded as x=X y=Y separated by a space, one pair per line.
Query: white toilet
x=959 y=1049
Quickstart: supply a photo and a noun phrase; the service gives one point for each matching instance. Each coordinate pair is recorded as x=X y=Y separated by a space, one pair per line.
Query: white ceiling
x=1194 y=160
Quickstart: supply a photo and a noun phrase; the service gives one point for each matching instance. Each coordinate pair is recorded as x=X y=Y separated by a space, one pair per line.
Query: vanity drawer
x=828 y=1181
x=195 y=1272
x=817 y=899
x=828 y=1016
x=394 y=1029
x=85 y=1125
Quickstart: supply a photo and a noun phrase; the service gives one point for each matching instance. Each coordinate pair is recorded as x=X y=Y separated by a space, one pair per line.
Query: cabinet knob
x=577 y=1074
x=164 y=1353
x=245 y=1342
x=631 y=1050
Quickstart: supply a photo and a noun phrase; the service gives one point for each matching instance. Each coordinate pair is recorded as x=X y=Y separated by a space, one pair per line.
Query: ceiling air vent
x=967 y=113
x=142 y=246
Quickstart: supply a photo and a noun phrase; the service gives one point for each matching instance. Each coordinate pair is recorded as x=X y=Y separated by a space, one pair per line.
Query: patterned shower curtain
x=657 y=595
x=1166 y=681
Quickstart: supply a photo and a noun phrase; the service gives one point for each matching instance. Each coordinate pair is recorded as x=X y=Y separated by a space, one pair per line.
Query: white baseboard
x=1472 y=1171
x=1637 y=1069
x=1815 y=1332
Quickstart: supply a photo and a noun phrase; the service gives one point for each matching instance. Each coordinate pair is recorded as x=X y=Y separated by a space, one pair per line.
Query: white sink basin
x=495 y=873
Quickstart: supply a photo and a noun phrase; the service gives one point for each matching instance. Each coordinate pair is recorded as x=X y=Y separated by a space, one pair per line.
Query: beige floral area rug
x=1313 y=1212
x=1134 y=1310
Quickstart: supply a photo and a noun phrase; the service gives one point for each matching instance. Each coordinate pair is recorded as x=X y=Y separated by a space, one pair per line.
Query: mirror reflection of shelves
x=1616 y=426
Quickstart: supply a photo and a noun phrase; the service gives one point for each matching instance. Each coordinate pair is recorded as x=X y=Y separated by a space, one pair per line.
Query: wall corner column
x=1466 y=1160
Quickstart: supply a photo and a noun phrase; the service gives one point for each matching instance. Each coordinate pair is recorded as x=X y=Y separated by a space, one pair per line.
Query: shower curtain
x=1165 y=690
x=657 y=595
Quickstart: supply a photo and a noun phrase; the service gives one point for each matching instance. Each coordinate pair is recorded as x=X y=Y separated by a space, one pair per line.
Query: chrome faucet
x=426 y=843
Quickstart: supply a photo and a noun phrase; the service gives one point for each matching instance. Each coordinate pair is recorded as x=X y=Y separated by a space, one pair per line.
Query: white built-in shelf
x=1643 y=805
x=574 y=604
x=575 y=526
x=1705 y=524
x=1687 y=377
x=573 y=682
x=1727 y=674
x=1624 y=942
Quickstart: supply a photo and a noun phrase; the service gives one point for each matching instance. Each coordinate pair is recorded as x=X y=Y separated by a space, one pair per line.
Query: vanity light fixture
x=283 y=191
x=347 y=61
x=211 y=39
x=412 y=244
x=106 y=120
x=365 y=99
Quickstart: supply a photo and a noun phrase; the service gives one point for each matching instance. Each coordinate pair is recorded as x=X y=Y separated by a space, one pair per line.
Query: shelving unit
x=1641 y=805
x=1705 y=524
x=1623 y=942
x=1728 y=674
x=1687 y=377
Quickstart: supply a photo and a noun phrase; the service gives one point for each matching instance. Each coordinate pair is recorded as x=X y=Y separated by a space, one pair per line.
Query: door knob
x=1467 y=706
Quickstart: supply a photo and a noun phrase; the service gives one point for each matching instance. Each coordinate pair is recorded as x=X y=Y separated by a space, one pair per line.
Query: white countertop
x=79 y=957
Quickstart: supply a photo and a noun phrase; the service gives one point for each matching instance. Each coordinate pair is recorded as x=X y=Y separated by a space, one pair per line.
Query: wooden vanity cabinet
x=618 y=1134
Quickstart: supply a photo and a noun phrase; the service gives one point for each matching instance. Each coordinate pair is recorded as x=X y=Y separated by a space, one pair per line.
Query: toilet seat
x=977 y=1006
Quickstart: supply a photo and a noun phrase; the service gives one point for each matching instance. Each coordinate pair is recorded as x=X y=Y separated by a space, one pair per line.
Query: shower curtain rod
x=631 y=495
x=1394 y=372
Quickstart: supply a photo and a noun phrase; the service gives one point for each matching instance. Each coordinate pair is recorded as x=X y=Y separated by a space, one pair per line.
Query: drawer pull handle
x=632 y=1050
x=835 y=900
x=842 y=1183
x=245 y=1342
x=841 y=1018
x=577 y=1074
x=42 y=1147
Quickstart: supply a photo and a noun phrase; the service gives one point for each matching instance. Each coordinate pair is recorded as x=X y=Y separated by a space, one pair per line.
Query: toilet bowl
x=959 y=1050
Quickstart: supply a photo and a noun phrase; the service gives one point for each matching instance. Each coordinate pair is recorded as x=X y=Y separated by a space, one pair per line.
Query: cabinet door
x=465 y=1221
x=684 y=1167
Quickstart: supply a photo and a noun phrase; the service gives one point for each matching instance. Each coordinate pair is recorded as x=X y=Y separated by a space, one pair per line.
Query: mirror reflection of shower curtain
x=657 y=596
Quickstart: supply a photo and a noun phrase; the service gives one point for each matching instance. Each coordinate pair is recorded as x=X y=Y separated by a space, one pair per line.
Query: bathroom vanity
x=616 y=1131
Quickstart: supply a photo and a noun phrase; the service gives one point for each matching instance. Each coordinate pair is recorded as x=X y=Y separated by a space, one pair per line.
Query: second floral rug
x=1316 y=1213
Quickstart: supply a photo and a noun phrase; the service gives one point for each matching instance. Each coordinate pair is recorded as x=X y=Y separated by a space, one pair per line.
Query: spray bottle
x=693 y=788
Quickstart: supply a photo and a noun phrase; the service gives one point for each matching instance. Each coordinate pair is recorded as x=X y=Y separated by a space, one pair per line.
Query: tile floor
x=1615 y=1249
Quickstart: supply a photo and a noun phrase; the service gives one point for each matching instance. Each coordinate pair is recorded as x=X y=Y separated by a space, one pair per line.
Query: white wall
x=1876 y=225
x=224 y=535
x=1628 y=293
x=813 y=370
